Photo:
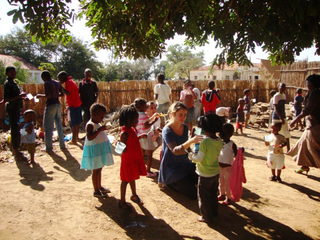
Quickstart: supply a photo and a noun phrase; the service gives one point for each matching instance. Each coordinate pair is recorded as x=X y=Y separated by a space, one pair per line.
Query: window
x=205 y=77
x=227 y=77
x=214 y=77
x=256 y=77
x=209 y=77
x=195 y=77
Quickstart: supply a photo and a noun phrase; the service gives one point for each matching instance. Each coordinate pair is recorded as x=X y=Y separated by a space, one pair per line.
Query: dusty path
x=54 y=201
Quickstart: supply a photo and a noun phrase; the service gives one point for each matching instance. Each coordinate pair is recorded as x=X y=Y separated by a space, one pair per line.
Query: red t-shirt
x=209 y=106
x=73 y=99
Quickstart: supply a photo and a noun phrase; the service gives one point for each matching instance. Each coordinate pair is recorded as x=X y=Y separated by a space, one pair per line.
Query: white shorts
x=275 y=161
x=284 y=129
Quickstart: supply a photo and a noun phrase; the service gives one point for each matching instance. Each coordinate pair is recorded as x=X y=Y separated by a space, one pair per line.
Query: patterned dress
x=97 y=152
x=132 y=163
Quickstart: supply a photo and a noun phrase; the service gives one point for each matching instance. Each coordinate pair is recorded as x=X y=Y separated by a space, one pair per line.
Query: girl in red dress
x=132 y=163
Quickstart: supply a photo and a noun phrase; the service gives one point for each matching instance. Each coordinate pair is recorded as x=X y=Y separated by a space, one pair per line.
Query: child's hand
x=23 y=94
x=143 y=136
x=267 y=143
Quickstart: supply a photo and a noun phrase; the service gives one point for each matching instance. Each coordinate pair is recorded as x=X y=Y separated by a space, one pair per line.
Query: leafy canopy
x=140 y=28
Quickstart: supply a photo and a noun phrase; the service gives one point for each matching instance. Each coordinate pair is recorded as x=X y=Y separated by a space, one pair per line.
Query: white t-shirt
x=197 y=92
x=226 y=154
x=163 y=91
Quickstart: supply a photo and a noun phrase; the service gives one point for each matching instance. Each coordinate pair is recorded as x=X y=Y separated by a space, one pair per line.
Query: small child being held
x=132 y=163
x=97 y=151
x=143 y=129
x=28 y=135
x=208 y=168
x=226 y=159
x=240 y=116
x=275 y=154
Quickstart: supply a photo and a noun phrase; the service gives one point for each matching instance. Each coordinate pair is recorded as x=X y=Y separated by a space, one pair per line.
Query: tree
x=181 y=61
x=21 y=77
x=75 y=56
x=140 y=28
x=18 y=43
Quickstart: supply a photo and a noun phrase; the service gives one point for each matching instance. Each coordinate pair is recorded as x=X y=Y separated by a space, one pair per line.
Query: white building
x=34 y=72
x=226 y=73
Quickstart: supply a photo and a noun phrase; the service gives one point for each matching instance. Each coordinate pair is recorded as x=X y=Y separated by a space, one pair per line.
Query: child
x=272 y=93
x=226 y=158
x=223 y=113
x=275 y=155
x=74 y=103
x=28 y=135
x=13 y=99
x=97 y=151
x=89 y=93
x=240 y=116
x=143 y=128
x=298 y=100
x=210 y=98
x=52 y=112
x=247 y=106
x=208 y=168
x=151 y=110
x=187 y=96
x=132 y=164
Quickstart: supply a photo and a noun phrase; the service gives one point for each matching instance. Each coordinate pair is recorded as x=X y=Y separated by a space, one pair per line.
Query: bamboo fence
x=116 y=94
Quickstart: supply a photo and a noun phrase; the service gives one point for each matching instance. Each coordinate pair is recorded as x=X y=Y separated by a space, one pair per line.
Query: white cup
x=254 y=100
x=120 y=147
x=268 y=138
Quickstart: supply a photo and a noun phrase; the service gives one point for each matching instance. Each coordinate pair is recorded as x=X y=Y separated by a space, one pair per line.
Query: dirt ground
x=53 y=200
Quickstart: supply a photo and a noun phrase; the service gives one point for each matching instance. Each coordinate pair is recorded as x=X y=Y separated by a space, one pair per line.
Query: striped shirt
x=143 y=118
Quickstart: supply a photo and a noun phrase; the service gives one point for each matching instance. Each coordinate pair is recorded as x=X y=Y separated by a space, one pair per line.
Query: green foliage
x=140 y=28
x=49 y=67
x=19 y=44
x=22 y=74
x=3 y=76
x=181 y=60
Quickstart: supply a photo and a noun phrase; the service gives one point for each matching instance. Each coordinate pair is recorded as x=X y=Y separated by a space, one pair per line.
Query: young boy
x=247 y=106
x=240 y=116
x=28 y=135
x=13 y=99
x=52 y=112
x=89 y=93
x=74 y=103
x=162 y=93
x=275 y=154
x=210 y=98
x=298 y=100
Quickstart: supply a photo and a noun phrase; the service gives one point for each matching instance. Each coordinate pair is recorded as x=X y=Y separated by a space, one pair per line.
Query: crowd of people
x=198 y=174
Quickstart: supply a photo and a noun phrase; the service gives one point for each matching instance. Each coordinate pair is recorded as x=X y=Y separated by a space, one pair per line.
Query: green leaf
x=11 y=12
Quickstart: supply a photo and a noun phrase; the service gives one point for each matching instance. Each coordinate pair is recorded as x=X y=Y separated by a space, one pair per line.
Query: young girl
x=240 y=116
x=145 y=132
x=226 y=158
x=151 y=110
x=208 y=168
x=28 y=135
x=132 y=164
x=97 y=151
x=210 y=98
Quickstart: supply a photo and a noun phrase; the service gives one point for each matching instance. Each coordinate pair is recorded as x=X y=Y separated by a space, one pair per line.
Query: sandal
x=105 y=190
x=221 y=197
x=301 y=170
x=151 y=174
x=99 y=194
x=136 y=199
x=273 y=178
x=226 y=202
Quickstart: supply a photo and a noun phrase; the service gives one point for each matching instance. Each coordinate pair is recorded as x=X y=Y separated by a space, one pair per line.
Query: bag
x=189 y=99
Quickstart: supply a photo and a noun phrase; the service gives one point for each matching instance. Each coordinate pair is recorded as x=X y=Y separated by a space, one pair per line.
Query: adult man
x=162 y=92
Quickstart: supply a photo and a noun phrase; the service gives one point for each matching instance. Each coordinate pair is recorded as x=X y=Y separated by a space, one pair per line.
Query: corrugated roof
x=9 y=60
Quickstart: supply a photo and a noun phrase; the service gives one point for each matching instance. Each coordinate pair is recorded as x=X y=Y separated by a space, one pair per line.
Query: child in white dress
x=97 y=151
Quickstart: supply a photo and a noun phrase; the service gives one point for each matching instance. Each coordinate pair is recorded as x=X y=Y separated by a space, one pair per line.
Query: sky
x=79 y=30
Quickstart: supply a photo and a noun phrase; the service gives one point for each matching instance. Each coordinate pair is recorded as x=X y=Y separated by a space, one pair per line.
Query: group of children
x=140 y=132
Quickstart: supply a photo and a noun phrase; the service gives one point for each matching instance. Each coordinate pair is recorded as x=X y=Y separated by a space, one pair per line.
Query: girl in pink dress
x=132 y=163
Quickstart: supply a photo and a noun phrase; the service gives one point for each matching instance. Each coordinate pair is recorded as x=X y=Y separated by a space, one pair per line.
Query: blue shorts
x=163 y=108
x=75 y=116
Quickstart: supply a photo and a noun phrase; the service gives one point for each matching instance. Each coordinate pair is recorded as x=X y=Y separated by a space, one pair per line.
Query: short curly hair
x=139 y=102
x=211 y=123
x=127 y=113
x=97 y=108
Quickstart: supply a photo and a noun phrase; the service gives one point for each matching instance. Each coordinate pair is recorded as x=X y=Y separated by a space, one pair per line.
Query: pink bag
x=237 y=176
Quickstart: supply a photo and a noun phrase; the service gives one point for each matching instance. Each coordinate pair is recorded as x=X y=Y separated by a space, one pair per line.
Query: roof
x=9 y=60
x=215 y=67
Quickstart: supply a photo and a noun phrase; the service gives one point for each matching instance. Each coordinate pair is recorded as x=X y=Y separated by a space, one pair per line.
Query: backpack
x=189 y=99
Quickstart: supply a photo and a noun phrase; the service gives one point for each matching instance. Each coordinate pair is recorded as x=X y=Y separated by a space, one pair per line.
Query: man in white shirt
x=162 y=93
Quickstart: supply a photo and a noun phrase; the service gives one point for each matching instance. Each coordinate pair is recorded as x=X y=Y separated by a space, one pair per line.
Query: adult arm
x=180 y=149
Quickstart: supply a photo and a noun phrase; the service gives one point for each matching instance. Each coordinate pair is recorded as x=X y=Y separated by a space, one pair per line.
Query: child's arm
x=148 y=124
x=29 y=128
x=93 y=134
x=124 y=138
x=235 y=149
x=196 y=157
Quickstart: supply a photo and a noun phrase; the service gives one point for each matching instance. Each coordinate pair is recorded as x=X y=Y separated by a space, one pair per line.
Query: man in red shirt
x=73 y=100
